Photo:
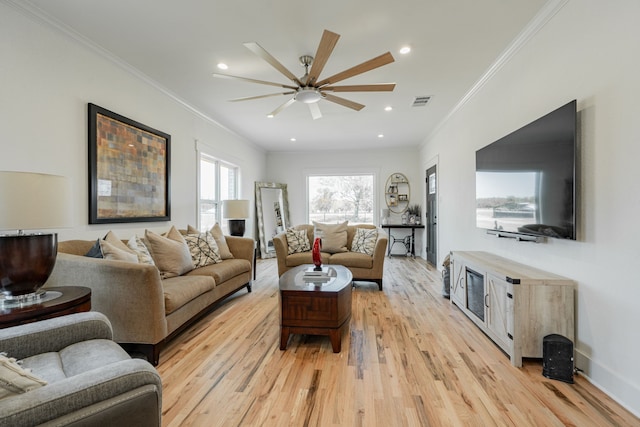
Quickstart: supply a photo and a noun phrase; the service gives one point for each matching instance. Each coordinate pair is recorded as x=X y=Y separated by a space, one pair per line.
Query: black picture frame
x=129 y=170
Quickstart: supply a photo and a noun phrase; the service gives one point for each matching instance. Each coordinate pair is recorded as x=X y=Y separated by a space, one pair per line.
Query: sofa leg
x=150 y=351
x=249 y=287
x=379 y=282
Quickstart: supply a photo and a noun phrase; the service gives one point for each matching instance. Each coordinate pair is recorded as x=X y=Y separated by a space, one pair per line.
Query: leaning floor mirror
x=272 y=212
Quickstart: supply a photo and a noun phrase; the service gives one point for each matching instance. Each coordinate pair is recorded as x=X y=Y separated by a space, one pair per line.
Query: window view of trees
x=340 y=198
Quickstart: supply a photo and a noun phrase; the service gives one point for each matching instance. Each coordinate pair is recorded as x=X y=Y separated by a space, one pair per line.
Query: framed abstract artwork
x=129 y=170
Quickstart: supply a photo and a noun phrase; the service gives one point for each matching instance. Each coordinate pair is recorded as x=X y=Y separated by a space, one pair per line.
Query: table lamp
x=236 y=211
x=29 y=201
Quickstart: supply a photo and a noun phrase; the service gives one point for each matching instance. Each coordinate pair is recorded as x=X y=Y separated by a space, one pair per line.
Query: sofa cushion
x=180 y=290
x=171 y=253
x=14 y=379
x=203 y=249
x=352 y=259
x=223 y=271
x=297 y=241
x=140 y=249
x=334 y=236
x=364 y=240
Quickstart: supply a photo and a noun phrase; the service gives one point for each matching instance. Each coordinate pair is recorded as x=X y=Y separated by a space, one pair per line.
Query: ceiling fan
x=308 y=89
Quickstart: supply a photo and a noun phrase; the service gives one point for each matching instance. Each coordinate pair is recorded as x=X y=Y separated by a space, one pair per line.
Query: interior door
x=432 y=216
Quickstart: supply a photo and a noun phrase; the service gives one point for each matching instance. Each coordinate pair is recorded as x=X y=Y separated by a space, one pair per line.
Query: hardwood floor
x=410 y=358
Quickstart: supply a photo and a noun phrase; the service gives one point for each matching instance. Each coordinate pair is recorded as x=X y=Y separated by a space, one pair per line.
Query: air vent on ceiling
x=420 y=101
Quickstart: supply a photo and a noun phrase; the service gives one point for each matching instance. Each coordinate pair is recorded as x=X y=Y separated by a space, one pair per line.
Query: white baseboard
x=612 y=383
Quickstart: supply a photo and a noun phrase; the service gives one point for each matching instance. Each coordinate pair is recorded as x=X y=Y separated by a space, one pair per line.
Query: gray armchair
x=91 y=380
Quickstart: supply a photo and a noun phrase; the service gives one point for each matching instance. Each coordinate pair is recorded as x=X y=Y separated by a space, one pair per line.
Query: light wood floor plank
x=409 y=358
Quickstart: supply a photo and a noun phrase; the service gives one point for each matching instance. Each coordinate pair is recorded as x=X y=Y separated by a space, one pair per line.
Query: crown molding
x=548 y=11
x=31 y=11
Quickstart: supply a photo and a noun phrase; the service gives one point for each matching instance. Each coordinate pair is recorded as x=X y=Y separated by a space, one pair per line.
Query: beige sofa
x=144 y=310
x=363 y=267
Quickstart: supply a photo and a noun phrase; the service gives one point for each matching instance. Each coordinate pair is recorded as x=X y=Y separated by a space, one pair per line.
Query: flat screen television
x=526 y=181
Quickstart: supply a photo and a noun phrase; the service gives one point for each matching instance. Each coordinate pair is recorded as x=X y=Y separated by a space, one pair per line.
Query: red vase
x=315 y=253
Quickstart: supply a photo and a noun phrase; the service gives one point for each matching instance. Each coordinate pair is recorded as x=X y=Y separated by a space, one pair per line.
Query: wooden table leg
x=336 y=339
x=284 y=337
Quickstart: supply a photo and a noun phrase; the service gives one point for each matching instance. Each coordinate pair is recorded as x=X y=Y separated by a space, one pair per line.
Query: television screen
x=525 y=181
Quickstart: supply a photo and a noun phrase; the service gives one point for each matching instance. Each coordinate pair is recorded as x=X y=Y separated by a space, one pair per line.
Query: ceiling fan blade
x=262 y=82
x=327 y=43
x=259 y=50
x=261 y=96
x=344 y=102
x=379 y=61
x=282 y=107
x=315 y=111
x=377 y=87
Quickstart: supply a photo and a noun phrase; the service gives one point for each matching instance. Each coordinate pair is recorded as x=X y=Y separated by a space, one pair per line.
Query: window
x=218 y=181
x=337 y=198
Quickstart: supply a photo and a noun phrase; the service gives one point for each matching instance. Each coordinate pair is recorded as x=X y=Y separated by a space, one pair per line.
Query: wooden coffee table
x=315 y=309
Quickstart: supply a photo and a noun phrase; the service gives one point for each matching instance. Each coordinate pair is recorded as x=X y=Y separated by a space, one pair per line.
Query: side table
x=74 y=299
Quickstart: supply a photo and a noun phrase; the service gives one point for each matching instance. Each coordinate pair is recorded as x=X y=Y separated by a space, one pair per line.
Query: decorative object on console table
x=29 y=201
x=415 y=214
x=384 y=216
x=129 y=170
x=236 y=211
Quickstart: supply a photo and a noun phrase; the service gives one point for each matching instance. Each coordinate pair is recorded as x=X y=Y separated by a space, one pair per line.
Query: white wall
x=46 y=80
x=587 y=51
x=292 y=168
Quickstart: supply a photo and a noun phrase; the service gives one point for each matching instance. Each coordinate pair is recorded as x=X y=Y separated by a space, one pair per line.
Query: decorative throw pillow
x=203 y=248
x=137 y=245
x=364 y=240
x=221 y=241
x=334 y=236
x=14 y=379
x=170 y=254
x=216 y=232
x=95 y=251
x=297 y=241
x=110 y=251
x=115 y=241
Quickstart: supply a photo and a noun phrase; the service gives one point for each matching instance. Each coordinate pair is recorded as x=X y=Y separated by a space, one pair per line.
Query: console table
x=411 y=249
x=514 y=304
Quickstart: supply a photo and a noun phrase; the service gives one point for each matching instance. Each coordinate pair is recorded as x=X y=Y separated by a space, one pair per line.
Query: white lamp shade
x=235 y=209
x=34 y=201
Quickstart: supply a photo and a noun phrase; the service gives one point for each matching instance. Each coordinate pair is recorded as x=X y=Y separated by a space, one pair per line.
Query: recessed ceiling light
x=223 y=66
x=380 y=136
x=292 y=140
x=388 y=108
x=404 y=50
x=270 y=116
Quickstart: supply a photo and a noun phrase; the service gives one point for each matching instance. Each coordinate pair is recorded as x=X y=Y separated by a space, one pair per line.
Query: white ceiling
x=177 y=44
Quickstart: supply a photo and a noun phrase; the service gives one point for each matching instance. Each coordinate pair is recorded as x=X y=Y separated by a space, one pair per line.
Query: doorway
x=432 y=216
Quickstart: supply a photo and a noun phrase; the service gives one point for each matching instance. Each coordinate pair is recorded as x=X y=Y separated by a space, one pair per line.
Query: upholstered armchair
x=90 y=380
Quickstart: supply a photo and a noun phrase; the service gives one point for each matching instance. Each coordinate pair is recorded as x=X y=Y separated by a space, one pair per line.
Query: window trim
x=204 y=152
x=342 y=172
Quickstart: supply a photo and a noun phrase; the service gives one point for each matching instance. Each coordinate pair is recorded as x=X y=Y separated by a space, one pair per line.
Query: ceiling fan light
x=308 y=95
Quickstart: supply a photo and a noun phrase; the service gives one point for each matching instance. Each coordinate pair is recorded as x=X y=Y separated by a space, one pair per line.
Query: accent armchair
x=91 y=380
